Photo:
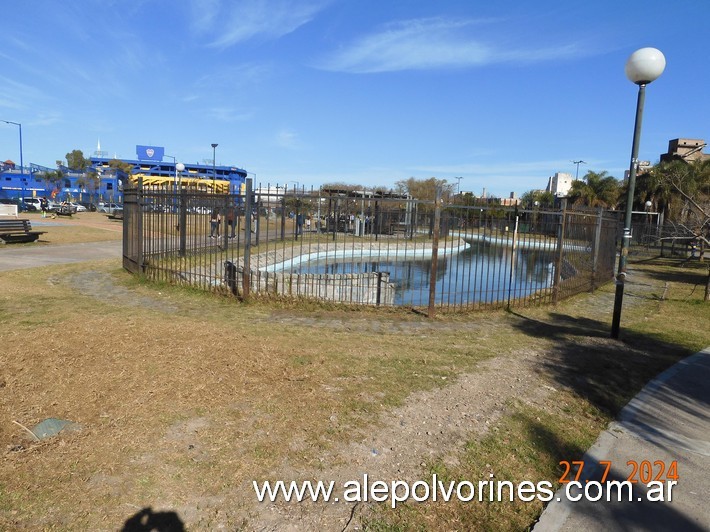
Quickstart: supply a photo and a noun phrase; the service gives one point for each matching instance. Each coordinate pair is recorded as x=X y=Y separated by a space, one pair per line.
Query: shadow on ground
x=149 y=521
x=606 y=372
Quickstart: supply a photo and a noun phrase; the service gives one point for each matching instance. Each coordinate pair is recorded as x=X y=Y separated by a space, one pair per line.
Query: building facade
x=685 y=149
x=102 y=182
x=559 y=184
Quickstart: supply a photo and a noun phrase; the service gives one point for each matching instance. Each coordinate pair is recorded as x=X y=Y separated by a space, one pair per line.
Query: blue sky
x=503 y=94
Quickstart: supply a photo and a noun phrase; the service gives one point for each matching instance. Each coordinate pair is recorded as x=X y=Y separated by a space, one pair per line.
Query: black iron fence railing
x=366 y=249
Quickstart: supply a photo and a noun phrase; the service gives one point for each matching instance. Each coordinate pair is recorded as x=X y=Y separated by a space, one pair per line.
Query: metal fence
x=671 y=240
x=364 y=249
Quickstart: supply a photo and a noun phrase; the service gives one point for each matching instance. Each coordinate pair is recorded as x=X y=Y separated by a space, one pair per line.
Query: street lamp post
x=458 y=185
x=214 y=171
x=648 y=205
x=179 y=169
x=576 y=176
x=642 y=67
x=175 y=167
x=22 y=164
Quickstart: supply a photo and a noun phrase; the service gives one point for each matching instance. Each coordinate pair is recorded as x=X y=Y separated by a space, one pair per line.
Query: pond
x=480 y=274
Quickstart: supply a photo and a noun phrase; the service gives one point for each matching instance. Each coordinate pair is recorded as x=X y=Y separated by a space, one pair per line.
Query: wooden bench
x=14 y=230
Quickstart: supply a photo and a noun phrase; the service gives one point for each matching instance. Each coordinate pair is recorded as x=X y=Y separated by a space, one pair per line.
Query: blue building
x=100 y=181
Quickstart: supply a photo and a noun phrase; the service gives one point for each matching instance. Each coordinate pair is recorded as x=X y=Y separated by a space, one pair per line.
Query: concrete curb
x=631 y=424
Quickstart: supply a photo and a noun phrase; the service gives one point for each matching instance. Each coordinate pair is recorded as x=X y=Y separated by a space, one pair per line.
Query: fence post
x=139 y=229
x=379 y=289
x=258 y=220
x=434 y=252
x=246 y=271
x=558 y=260
x=182 y=223
x=595 y=248
x=513 y=251
x=283 y=216
x=225 y=223
x=413 y=228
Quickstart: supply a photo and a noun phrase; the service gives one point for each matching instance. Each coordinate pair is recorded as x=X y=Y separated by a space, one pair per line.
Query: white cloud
x=235 y=76
x=16 y=95
x=429 y=44
x=234 y=22
x=527 y=168
x=227 y=114
x=203 y=14
x=287 y=139
x=45 y=119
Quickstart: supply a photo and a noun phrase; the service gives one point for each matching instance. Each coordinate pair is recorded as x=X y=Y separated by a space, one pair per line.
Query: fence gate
x=132 y=229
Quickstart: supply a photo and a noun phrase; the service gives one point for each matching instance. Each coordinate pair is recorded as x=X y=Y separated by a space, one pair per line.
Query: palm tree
x=597 y=190
x=537 y=198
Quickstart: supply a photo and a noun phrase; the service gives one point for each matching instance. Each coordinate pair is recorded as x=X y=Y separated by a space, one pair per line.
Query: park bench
x=14 y=230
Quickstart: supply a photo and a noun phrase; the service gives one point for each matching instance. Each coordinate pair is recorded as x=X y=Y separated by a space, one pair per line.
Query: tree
x=597 y=190
x=689 y=185
x=542 y=197
x=651 y=187
x=89 y=181
x=53 y=180
x=121 y=167
x=77 y=161
x=424 y=189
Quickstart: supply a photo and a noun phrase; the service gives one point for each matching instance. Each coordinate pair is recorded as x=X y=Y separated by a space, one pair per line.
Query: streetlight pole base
x=616 y=318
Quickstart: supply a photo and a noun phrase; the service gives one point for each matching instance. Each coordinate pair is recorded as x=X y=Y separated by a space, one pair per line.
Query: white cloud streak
x=287 y=139
x=235 y=22
x=433 y=43
x=228 y=114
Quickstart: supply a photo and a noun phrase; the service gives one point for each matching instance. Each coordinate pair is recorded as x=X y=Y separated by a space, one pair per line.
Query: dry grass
x=185 y=405
x=185 y=397
x=81 y=227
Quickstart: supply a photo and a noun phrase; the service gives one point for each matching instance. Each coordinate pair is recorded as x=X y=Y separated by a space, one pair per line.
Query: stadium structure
x=103 y=181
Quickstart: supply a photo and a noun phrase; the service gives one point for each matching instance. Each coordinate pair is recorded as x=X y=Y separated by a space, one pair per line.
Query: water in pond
x=481 y=274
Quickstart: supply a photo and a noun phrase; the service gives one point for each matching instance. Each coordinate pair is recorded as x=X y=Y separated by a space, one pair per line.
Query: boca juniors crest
x=150 y=153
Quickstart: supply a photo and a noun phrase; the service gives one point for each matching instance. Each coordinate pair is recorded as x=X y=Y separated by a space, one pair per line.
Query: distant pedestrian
x=215 y=220
x=299 y=223
x=44 y=205
x=231 y=220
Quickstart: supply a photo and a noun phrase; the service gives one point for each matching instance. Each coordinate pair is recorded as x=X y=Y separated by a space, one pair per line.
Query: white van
x=33 y=203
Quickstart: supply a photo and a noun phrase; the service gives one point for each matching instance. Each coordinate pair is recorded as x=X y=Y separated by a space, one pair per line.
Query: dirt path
x=430 y=426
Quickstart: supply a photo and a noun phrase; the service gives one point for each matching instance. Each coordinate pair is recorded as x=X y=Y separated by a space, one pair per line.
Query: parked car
x=33 y=204
x=89 y=206
x=78 y=206
x=108 y=208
